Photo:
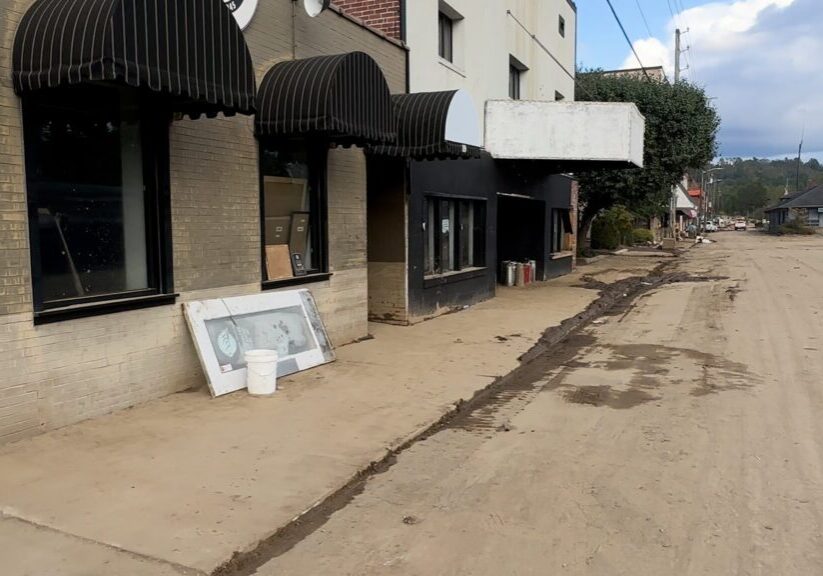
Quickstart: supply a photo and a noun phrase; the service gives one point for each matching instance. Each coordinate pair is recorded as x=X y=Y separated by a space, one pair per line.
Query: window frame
x=514 y=81
x=481 y=252
x=445 y=36
x=561 y=25
x=317 y=159
x=155 y=120
x=559 y=218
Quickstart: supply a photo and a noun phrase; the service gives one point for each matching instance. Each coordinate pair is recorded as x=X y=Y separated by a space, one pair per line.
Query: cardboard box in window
x=278 y=262
x=283 y=196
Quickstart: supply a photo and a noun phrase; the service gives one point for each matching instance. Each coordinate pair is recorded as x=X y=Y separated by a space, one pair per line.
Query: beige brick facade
x=57 y=374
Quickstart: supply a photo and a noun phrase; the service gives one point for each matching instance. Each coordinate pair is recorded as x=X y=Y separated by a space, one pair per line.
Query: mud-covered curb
x=614 y=299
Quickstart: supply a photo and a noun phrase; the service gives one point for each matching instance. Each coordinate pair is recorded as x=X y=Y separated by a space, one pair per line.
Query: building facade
x=509 y=196
x=129 y=188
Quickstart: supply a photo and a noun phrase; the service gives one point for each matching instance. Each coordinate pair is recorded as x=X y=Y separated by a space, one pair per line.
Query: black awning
x=191 y=49
x=421 y=128
x=344 y=97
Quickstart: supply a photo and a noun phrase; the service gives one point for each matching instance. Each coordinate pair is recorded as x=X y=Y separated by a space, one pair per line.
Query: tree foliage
x=749 y=185
x=681 y=130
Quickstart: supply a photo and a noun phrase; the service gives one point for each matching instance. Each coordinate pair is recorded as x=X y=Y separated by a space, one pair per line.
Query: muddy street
x=681 y=434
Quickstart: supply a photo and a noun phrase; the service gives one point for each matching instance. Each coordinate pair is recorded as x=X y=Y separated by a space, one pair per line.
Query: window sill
x=101 y=308
x=451 y=66
x=295 y=281
x=559 y=255
x=457 y=276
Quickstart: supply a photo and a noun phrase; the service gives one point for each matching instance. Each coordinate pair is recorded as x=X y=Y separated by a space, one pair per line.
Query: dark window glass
x=446 y=37
x=561 y=26
x=561 y=230
x=92 y=194
x=293 y=173
x=514 y=82
x=454 y=233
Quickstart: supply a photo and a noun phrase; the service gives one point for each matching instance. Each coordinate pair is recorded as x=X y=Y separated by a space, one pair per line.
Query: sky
x=760 y=60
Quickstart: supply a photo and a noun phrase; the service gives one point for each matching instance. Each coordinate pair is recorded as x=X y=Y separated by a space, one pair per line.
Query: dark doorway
x=521 y=230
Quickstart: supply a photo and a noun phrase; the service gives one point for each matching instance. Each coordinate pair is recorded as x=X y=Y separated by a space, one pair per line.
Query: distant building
x=805 y=207
x=654 y=72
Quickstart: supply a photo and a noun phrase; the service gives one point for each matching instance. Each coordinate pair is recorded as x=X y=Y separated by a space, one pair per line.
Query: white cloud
x=761 y=60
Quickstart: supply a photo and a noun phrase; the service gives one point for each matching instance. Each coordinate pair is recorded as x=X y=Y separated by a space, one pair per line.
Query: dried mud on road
x=672 y=428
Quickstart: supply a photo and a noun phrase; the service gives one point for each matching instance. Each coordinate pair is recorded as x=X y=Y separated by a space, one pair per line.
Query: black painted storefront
x=518 y=197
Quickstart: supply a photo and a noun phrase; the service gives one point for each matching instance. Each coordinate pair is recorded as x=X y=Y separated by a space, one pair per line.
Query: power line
x=643 y=15
x=626 y=36
x=546 y=50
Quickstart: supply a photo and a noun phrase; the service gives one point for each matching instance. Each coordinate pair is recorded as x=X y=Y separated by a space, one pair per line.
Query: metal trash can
x=508 y=271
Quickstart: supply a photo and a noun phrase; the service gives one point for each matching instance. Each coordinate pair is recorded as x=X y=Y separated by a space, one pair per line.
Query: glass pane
x=446 y=230
x=430 y=224
x=445 y=39
x=466 y=234
x=479 y=234
x=85 y=177
x=291 y=231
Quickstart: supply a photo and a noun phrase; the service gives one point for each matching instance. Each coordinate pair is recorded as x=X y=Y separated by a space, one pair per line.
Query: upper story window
x=561 y=26
x=294 y=208
x=516 y=71
x=514 y=82
x=95 y=165
x=445 y=37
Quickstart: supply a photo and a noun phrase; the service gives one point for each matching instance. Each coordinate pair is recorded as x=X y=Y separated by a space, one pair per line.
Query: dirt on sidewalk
x=679 y=435
x=187 y=481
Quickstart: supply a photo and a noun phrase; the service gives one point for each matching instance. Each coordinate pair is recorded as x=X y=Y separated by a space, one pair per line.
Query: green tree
x=681 y=130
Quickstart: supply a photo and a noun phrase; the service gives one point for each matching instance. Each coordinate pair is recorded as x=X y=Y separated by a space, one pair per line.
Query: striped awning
x=343 y=97
x=190 y=49
x=425 y=126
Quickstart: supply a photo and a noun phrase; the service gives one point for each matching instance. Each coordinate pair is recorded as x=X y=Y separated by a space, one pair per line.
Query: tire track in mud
x=556 y=349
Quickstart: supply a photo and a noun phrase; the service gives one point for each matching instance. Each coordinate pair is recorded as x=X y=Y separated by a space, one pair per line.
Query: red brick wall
x=382 y=15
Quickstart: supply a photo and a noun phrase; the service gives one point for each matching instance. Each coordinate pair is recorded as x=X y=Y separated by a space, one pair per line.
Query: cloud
x=762 y=61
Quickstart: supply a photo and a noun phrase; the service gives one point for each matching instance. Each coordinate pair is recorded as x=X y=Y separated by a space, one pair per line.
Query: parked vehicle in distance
x=711 y=227
x=740 y=225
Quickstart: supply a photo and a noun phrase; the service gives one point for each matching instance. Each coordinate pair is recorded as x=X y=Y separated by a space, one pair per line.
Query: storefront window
x=91 y=183
x=293 y=209
x=454 y=235
x=561 y=230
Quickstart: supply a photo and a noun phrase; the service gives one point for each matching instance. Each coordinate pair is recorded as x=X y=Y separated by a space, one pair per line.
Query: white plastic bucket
x=261 y=372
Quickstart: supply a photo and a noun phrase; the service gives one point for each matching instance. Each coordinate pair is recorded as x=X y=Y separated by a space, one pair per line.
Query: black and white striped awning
x=344 y=97
x=434 y=125
x=190 y=49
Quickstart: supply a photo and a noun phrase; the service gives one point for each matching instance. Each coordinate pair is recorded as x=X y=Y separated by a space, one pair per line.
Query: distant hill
x=748 y=186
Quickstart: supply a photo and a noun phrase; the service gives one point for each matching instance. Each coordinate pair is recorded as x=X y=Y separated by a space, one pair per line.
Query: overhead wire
x=689 y=48
x=547 y=51
x=626 y=36
x=643 y=15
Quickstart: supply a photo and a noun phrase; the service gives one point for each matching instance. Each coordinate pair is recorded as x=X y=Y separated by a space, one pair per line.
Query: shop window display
x=454 y=235
x=92 y=183
x=293 y=209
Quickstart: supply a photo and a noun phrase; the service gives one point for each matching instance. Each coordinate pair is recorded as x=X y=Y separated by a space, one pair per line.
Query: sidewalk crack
x=6 y=514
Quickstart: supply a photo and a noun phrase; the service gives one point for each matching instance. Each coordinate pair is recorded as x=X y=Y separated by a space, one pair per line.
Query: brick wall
x=382 y=15
x=57 y=374
x=15 y=283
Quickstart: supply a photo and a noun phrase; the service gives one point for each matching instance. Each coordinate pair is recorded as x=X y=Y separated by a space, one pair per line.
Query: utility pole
x=673 y=199
x=677 y=56
x=799 y=152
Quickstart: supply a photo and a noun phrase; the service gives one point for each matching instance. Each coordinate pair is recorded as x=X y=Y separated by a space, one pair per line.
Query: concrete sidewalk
x=176 y=486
